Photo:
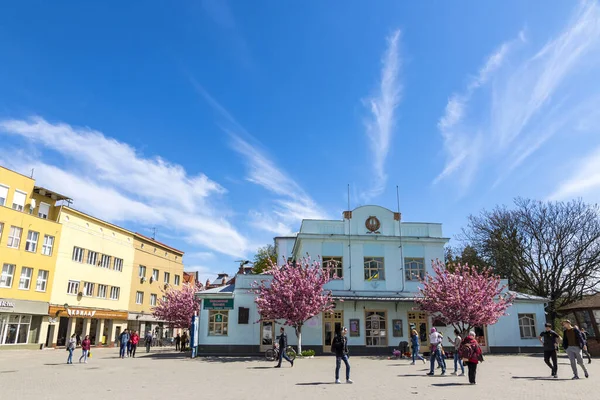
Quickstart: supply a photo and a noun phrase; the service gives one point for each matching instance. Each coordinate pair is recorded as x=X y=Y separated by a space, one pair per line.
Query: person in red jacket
x=135 y=339
x=86 y=344
x=471 y=354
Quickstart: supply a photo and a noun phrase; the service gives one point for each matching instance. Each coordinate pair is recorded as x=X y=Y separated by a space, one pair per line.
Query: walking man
x=123 y=343
x=340 y=347
x=550 y=340
x=282 y=348
x=586 y=351
x=435 y=339
x=148 y=341
x=573 y=344
x=177 y=341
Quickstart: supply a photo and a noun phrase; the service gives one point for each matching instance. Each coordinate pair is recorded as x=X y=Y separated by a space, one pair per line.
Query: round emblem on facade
x=372 y=223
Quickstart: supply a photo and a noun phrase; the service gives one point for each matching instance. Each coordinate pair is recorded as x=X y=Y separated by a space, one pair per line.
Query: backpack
x=466 y=351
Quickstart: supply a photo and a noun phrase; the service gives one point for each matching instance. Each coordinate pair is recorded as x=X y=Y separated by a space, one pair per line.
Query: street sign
x=218 y=304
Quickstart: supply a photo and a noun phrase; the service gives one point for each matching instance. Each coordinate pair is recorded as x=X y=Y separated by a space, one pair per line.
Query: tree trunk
x=299 y=336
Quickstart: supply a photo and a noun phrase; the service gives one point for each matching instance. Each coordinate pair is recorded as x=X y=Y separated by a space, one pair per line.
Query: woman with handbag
x=471 y=354
x=415 y=344
x=71 y=348
x=86 y=344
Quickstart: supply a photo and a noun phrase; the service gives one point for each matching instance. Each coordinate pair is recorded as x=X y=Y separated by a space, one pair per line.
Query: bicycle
x=273 y=354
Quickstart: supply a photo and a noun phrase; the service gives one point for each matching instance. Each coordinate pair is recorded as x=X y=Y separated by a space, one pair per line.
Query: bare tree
x=548 y=249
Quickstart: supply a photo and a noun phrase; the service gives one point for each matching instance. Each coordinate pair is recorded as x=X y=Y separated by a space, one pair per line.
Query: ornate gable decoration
x=372 y=224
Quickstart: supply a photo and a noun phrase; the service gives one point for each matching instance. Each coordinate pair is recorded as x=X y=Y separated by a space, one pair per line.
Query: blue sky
x=224 y=123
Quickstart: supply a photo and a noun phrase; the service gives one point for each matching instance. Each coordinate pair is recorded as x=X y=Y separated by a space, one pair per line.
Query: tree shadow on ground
x=260 y=368
x=53 y=364
x=450 y=384
x=540 y=378
x=314 y=383
x=225 y=360
x=165 y=356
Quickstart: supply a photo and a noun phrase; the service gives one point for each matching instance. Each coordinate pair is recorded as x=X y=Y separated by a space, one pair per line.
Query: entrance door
x=418 y=321
x=331 y=324
x=50 y=335
x=63 y=326
x=267 y=330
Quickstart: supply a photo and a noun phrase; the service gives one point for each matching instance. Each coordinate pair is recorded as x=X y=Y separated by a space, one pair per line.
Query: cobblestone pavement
x=43 y=375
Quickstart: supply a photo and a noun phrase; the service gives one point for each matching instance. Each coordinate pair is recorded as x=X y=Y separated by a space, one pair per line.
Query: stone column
x=54 y=328
x=43 y=334
x=71 y=328
x=110 y=340
x=100 y=332
x=86 y=327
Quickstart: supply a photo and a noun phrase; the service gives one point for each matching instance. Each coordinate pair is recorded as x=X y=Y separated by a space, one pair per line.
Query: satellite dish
x=32 y=204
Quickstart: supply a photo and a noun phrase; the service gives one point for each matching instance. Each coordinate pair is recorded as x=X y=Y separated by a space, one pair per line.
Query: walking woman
x=414 y=341
x=135 y=339
x=470 y=352
x=71 y=348
x=457 y=360
x=85 y=348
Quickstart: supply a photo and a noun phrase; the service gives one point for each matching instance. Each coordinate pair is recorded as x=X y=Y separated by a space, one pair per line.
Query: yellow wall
x=23 y=219
x=153 y=255
x=92 y=234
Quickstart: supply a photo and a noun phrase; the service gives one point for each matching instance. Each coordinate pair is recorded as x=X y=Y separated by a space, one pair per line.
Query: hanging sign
x=218 y=304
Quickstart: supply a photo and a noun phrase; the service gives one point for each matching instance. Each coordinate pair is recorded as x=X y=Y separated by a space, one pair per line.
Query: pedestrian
x=457 y=360
x=129 y=344
x=339 y=346
x=148 y=341
x=86 y=344
x=71 y=348
x=442 y=352
x=123 y=341
x=78 y=337
x=471 y=354
x=282 y=348
x=416 y=345
x=585 y=351
x=135 y=339
x=573 y=343
x=434 y=346
x=177 y=341
x=550 y=340
x=183 y=340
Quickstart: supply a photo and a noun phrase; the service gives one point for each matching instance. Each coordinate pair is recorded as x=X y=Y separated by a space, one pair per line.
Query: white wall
x=506 y=331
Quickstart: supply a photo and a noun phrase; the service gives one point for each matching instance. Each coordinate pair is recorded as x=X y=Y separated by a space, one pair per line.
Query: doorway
x=332 y=323
x=50 y=335
x=267 y=329
x=418 y=321
x=63 y=326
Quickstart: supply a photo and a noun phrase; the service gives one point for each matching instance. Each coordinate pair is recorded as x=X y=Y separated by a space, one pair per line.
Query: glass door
x=418 y=321
x=332 y=322
x=267 y=328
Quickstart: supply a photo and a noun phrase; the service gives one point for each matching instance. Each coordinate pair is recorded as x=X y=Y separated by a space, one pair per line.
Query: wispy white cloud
x=381 y=123
x=522 y=104
x=111 y=180
x=584 y=182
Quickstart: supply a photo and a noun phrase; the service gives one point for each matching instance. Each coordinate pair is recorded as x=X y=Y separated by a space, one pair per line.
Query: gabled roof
x=528 y=297
x=592 y=301
x=227 y=289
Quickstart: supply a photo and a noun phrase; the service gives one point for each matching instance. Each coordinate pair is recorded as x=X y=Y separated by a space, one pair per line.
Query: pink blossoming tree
x=179 y=306
x=295 y=294
x=465 y=297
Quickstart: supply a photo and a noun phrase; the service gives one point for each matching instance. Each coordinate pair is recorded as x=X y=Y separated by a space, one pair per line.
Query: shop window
x=32 y=241
x=217 y=323
x=376 y=328
x=335 y=265
x=527 y=326
x=8 y=273
x=17 y=329
x=414 y=269
x=48 y=245
x=25 y=281
x=42 y=281
x=374 y=269
x=243 y=315
x=14 y=237
x=585 y=320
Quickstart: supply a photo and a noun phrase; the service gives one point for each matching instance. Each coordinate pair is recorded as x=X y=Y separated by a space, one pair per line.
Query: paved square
x=41 y=375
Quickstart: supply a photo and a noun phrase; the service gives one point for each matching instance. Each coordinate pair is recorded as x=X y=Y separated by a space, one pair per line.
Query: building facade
x=29 y=240
x=157 y=267
x=92 y=282
x=378 y=262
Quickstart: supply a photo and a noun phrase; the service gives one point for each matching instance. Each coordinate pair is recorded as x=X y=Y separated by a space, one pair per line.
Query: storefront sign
x=6 y=304
x=61 y=311
x=24 y=306
x=218 y=304
x=75 y=312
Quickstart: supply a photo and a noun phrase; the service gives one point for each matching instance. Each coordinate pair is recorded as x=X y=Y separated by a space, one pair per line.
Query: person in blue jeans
x=340 y=347
x=416 y=345
x=457 y=360
x=71 y=348
x=123 y=342
x=435 y=339
x=282 y=349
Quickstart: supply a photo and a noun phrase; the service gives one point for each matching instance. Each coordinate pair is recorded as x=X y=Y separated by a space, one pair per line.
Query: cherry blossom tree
x=179 y=306
x=466 y=297
x=294 y=294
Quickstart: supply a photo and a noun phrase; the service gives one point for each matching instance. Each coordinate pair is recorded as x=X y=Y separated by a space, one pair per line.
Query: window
x=243 y=315
x=8 y=272
x=527 y=326
x=217 y=323
x=44 y=210
x=92 y=257
x=25 y=281
x=42 y=281
x=102 y=291
x=73 y=287
x=164 y=299
x=14 y=237
x=374 y=269
x=88 y=289
x=17 y=329
x=118 y=264
x=167 y=277
x=139 y=297
x=153 y=299
x=77 y=254
x=177 y=280
x=376 y=328
x=31 y=243
x=155 y=275
x=48 y=245
x=335 y=266
x=142 y=271
x=114 y=293
x=19 y=200
x=414 y=269
x=3 y=194
x=105 y=261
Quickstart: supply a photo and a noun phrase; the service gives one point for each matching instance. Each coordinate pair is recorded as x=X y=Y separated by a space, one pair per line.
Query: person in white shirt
x=435 y=339
x=457 y=360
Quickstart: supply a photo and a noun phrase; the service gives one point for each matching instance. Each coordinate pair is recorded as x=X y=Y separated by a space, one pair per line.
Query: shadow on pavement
x=450 y=384
x=165 y=356
x=230 y=359
x=314 y=383
x=417 y=375
x=260 y=368
x=540 y=378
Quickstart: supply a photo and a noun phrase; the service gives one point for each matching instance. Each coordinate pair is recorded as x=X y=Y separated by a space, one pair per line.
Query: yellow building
x=156 y=268
x=29 y=240
x=92 y=281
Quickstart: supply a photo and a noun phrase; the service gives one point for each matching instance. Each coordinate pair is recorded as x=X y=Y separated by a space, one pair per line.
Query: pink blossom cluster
x=179 y=306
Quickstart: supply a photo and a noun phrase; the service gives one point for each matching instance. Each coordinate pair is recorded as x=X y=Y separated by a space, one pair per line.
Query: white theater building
x=380 y=261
